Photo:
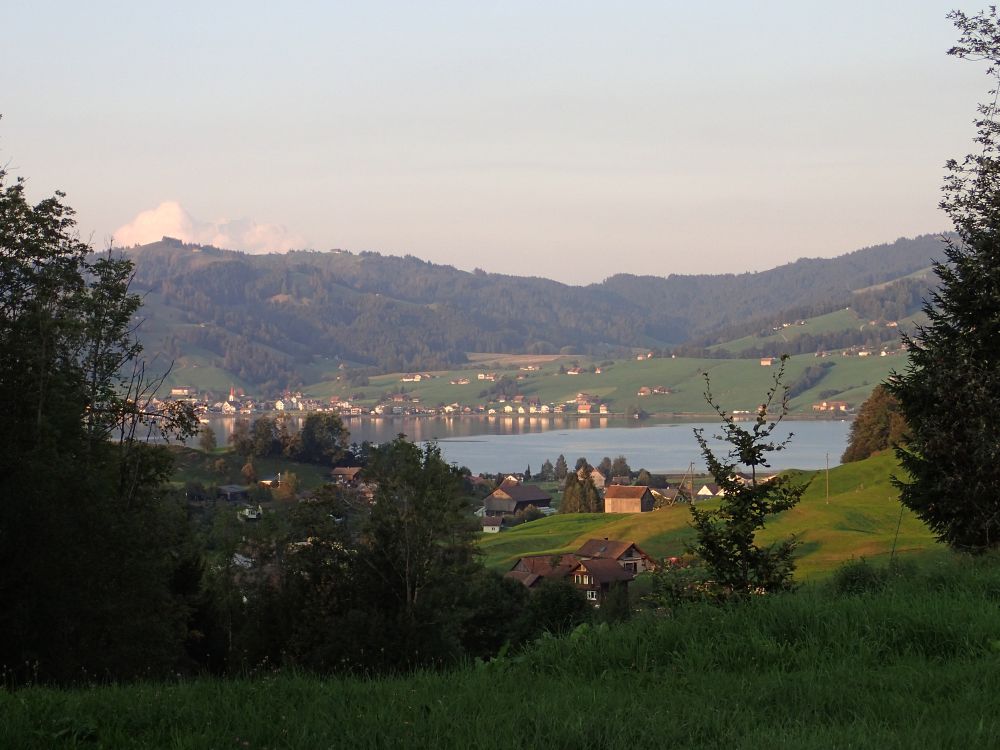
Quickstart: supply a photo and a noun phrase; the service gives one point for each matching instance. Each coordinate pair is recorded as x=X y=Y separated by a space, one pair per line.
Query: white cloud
x=171 y=220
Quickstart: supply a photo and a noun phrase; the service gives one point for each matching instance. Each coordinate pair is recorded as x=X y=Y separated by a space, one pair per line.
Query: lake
x=506 y=444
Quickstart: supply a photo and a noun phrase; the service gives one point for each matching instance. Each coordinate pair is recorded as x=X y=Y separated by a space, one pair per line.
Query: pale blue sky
x=564 y=139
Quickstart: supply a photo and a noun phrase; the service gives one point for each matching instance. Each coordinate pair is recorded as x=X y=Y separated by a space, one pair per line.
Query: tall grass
x=872 y=659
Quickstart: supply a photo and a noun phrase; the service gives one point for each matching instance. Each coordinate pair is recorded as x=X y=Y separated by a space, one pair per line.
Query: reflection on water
x=512 y=443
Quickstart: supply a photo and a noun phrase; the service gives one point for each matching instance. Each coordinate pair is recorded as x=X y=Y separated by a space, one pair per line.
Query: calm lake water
x=513 y=443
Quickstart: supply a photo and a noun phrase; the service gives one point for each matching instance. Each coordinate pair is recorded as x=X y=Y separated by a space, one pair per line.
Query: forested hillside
x=268 y=319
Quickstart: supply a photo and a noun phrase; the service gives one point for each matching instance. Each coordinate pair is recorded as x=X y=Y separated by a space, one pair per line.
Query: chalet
x=347 y=475
x=182 y=391
x=661 y=390
x=624 y=499
x=510 y=498
x=644 y=391
x=574 y=371
x=596 y=576
x=593 y=569
x=766 y=361
x=626 y=554
x=533 y=569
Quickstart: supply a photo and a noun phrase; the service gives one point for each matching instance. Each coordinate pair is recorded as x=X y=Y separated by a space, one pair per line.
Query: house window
x=631 y=567
x=591 y=596
x=578 y=578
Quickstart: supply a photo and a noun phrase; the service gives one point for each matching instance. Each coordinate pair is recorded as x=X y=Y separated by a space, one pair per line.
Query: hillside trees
x=879 y=425
x=89 y=542
x=949 y=391
x=726 y=536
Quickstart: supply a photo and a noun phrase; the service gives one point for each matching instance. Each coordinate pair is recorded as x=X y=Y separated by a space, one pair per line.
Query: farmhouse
x=593 y=569
x=511 y=497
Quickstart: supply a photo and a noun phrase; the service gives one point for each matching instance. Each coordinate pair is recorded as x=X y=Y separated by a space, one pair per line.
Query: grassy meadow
x=859 y=519
x=737 y=383
x=873 y=660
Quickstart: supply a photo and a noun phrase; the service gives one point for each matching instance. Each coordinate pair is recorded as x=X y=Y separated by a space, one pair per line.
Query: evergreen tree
x=726 y=536
x=547 y=473
x=561 y=470
x=572 y=495
x=949 y=391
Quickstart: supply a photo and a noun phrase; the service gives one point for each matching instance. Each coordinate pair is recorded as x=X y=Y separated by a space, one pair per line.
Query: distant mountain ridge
x=270 y=318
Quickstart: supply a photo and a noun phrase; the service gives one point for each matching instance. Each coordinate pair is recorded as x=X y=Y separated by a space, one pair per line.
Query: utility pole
x=828 y=478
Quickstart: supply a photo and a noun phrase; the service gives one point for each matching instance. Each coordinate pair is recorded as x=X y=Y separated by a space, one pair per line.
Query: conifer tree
x=950 y=390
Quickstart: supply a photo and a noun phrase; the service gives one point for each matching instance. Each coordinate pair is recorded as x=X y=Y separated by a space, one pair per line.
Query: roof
x=507 y=497
x=346 y=471
x=528 y=579
x=626 y=492
x=607 y=548
x=605 y=571
x=492 y=520
x=542 y=565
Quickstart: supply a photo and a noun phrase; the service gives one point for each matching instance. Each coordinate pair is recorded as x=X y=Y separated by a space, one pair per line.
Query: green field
x=909 y=660
x=738 y=384
x=858 y=520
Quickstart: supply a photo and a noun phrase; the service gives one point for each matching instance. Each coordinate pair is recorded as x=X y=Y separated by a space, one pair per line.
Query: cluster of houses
x=513 y=497
x=594 y=569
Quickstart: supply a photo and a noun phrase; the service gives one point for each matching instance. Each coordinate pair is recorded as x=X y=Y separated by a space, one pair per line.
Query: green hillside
x=858 y=520
x=737 y=383
x=277 y=321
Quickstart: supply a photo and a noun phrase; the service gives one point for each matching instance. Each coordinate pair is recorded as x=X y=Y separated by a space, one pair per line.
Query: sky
x=570 y=140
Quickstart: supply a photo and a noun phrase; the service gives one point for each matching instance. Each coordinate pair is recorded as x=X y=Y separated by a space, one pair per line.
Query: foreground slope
x=916 y=664
x=859 y=519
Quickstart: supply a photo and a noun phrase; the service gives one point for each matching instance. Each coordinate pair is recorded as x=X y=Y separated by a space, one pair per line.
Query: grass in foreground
x=913 y=664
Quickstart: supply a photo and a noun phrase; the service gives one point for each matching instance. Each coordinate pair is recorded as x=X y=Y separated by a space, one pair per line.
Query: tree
x=264 y=437
x=241 y=439
x=581 y=462
x=561 y=470
x=644 y=478
x=605 y=467
x=725 y=536
x=878 y=426
x=527 y=473
x=580 y=495
x=547 y=473
x=206 y=439
x=419 y=547
x=620 y=467
x=322 y=439
x=288 y=489
x=90 y=542
x=948 y=393
x=571 y=495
